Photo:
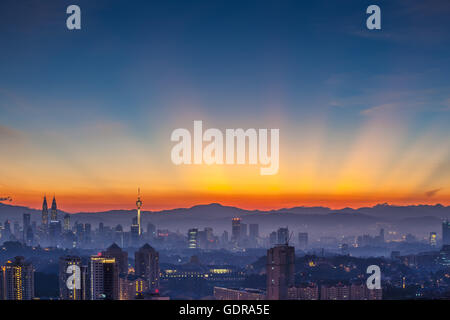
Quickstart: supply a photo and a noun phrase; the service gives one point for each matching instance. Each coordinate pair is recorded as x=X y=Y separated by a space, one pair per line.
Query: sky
x=87 y=115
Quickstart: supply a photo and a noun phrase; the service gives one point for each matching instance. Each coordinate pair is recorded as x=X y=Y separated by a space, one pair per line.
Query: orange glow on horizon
x=73 y=204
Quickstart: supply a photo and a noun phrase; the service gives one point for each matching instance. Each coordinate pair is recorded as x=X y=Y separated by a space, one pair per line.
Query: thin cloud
x=433 y=192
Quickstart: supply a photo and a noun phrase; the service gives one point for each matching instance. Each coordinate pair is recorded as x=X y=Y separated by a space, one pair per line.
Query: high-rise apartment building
x=18 y=280
x=121 y=256
x=147 y=266
x=280 y=271
x=73 y=278
x=104 y=278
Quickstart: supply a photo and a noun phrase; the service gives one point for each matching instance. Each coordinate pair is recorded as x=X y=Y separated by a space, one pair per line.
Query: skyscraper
x=151 y=231
x=193 y=238
x=6 y=231
x=446 y=232
x=44 y=213
x=25 y=225
x=254 y=231
x=433 y=239
x=302 y=240
x=139 y=205
x=54 y=232
x=67 y=222
x=72 y=286
x=243 y=234
x=104 y=278
x=121 y=256
x=147 y=266
x=118 y=235
x=87 y=233
x=18 y=280
x=29 y=236
x=283 y=236
x=134 y=232
x=280 y=271
x=235 y=229
x=54 y=211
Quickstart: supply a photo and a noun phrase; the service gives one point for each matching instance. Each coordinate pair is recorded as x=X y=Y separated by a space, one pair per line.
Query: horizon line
x=238 y=207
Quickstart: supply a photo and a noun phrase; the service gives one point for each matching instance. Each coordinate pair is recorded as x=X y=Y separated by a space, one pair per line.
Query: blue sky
x=139 y=69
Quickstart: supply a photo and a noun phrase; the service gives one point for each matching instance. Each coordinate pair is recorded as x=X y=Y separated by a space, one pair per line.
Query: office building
x=45 y=214
x=54 y=211
x=235 y=230
x=193 y=238
x=283 y=236
x=302 y=240
x=254 y=231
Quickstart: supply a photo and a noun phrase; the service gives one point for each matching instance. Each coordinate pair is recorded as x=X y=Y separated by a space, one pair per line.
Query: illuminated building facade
x=139 y=205
x=147 y=266
x=104 y=278
x=132 y=287
x=121 y=256
x=69 y=287
x=433 y=239
x=193 y=238
x=306 y=292
x=335 y=292
x=238 y=294
x=18 y=280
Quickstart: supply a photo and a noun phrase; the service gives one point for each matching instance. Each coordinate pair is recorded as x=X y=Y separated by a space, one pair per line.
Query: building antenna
x=289 y=239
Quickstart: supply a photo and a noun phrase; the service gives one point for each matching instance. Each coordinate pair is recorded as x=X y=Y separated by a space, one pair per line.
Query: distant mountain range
x=218 y=216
